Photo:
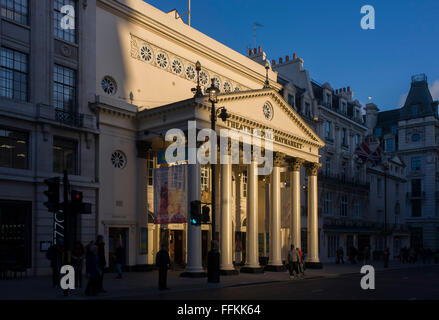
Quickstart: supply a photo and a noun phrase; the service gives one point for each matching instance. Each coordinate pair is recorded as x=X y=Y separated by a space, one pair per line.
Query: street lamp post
x=214 y=256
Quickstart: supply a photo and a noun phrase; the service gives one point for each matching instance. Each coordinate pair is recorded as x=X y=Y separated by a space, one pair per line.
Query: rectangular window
x=16 y=10
x=344 y=138
x=378 y=132
x=327 y=204
x=328 y=100
x=357 y=140
x=307 y=109
x=415 y=110
x=64 y=88
x=416 y=163
x=390 y=145
x=205 y=182
x=416 y=208
x=394 y=131
x=13 y=75
x=14 y=149
x=244 y=183
x=60 y=32
x=344 y=206
x=150 y=168
x=328 y=131
x=416 y=187
x=65 y=155
x=328 y=167
x=357 y=209
x=291 y=100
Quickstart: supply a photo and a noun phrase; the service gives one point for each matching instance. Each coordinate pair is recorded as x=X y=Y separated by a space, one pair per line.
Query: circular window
x=118 y=159
x=217 y=82
x=204 y=78
x=162 y=60
x=190 y=72
x=416 y=137
x=227 y=87
x=177 y=66
x=146 y=53
x=268 y=110
x=109 y=85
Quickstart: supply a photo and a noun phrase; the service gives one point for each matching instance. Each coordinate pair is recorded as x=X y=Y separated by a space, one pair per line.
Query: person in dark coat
x=102 y=262
x=77 y=261
x=54 y=254
x=119 y=257
x=340 y=255
x=163 y=262
x=92 y=270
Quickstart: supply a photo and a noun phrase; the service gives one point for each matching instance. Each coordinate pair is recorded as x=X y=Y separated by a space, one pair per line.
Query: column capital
x=295 y=163
x=278 y=159
x=312 y=168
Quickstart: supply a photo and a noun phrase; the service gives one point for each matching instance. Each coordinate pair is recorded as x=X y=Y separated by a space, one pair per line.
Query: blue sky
x=328 y=37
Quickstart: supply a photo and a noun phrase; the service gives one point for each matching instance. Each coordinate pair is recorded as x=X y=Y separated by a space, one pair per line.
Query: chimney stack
x=344 y=90
x=287 y=58
x=294 y=56
x=273 y=62
x=349 y=89
x=249 y=52
x=336 y=91
x=280 y=60
x=259 y=49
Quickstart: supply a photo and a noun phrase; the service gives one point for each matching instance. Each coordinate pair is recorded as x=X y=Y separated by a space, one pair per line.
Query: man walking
x=163 y=262
x=293 y=259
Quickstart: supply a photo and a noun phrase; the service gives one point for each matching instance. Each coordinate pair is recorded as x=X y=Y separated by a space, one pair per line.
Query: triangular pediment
x=268 y=108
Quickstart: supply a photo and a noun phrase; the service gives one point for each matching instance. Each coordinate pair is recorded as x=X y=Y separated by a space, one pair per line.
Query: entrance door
x=176 y=246
x=116 y=236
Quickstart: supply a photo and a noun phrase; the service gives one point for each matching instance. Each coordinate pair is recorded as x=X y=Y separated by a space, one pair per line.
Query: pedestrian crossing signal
x=196 y=213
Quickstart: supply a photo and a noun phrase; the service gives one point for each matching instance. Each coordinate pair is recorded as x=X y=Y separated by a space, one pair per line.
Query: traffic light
x=52 y=194
x=196 y=213
x=76 y=201
x=205 y=218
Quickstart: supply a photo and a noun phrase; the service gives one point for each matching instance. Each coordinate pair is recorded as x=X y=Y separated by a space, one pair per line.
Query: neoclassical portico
x=294 y=145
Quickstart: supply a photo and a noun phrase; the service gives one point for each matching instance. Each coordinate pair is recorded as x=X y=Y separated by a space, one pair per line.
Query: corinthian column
x=252 y=253
x=226 y=240
x=312 y=260
x=295 y=225
x=275 y=257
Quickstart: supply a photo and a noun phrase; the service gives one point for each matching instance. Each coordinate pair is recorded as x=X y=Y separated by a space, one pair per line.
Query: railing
x=340 y=179
x=74 y=119
x=69 y=118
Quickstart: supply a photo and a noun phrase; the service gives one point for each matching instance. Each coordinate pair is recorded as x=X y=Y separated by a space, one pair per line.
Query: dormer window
x=328 y=100
x=291 y=100
x=415 y=109
x=378 y=132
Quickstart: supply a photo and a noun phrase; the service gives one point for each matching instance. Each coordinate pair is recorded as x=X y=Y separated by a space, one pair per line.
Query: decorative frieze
x=168 y=61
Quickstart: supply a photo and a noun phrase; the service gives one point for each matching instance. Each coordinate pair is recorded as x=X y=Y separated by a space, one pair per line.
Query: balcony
x=416 y=195
x=342 y=180
x=66 y=118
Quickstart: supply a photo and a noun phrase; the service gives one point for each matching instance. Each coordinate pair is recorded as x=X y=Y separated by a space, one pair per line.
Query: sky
x=328 y=36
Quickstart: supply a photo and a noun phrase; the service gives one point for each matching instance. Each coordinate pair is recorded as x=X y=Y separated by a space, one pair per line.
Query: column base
x=313 y=265
x=193 y=274
x=275 y=268
x=251 y=270
x=232 y=272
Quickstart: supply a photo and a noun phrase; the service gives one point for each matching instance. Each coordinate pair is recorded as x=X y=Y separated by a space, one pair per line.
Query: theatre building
x=146 y=66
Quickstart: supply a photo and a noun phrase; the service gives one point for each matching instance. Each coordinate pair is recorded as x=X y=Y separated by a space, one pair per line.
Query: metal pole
x=189 y=13
x=212 y=166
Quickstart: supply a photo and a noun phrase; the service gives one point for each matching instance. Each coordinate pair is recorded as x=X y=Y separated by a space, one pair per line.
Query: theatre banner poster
x=170 y=195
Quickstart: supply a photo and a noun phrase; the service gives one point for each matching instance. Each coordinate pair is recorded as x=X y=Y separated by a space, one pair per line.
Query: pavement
x=136 y=285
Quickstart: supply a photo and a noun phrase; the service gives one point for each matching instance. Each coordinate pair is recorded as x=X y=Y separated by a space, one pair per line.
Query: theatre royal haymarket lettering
x=240 y=126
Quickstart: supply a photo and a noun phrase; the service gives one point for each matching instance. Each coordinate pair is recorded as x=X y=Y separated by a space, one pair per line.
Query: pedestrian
x=77 y=261
x=386 y=255
x=92 y=270
x=301 y=262
x=102 y=262
x=293 y=259
x=163 y=262
x=54 y=254
x=340 y=255
x=119 y=258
